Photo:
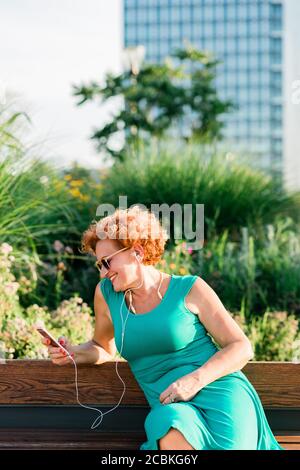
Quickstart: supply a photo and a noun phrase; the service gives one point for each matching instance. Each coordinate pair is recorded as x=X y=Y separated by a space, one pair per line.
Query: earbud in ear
x=137 y=255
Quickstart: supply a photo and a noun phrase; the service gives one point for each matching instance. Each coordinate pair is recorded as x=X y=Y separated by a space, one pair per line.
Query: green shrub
x=274 y=337
x=18 y=338
x=261 y=271
x=177 y=260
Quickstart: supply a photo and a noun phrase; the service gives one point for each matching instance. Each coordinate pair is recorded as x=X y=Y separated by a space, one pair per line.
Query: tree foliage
x=179 y=95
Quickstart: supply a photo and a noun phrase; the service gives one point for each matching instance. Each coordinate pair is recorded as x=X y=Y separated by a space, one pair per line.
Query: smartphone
x=48 y=335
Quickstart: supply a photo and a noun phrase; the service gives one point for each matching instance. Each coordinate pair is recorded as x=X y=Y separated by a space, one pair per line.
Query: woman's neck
x=151 y=279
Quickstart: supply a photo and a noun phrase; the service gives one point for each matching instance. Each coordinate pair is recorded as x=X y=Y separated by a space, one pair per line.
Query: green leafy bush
x=262 y=271
x=18 y=338
x=274 y=337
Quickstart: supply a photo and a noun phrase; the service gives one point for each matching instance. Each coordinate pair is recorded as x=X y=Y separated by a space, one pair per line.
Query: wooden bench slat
x=65 y=439
x=41 y=382
x=82 y=439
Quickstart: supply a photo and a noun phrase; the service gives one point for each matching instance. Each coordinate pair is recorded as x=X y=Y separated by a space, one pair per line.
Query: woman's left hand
x=183 y=389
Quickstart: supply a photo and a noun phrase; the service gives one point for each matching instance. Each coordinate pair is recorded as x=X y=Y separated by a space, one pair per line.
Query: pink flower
x=11 y=287
x=6 y=248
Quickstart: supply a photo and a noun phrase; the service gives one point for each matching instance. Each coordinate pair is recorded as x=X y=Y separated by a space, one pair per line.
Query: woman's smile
x=113 y=277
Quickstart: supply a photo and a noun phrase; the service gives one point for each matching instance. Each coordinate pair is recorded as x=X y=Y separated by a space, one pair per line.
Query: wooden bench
x=38 y=408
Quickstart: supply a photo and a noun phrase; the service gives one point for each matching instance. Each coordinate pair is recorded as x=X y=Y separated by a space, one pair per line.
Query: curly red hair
x=129 y=226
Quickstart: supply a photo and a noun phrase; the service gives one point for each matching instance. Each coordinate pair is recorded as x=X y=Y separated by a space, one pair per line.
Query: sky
x=46 y=46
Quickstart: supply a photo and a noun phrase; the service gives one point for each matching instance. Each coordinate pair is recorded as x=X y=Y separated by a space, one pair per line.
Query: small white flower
x=44 y=179
x=58 y=246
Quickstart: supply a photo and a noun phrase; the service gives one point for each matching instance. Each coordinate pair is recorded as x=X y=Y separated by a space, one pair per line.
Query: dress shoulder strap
x=105 y=285
x=184 y=284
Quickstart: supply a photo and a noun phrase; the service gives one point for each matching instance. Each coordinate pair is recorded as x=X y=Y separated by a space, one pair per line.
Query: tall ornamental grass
x=233 y=194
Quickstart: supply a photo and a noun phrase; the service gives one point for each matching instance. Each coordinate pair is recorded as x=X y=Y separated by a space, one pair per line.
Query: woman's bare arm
x=101 y=348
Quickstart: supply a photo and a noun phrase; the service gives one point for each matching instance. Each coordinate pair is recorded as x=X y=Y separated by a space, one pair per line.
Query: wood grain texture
x=53 y=439
x=88 y=440
x=35 y=382
x=41 y=382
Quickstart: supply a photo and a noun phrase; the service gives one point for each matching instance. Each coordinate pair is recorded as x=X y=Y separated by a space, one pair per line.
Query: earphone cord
x=98 y=420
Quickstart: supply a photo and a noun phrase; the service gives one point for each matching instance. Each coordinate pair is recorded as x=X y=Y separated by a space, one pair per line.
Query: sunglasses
x=105 y=261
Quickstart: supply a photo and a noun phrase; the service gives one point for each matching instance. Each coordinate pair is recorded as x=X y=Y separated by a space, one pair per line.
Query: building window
x=276 y=16
x=242 y=11
x=209 y=13
x=242 y=28
x=142 y=15
x=164 y=15
x=152 y=15
x=231 y=12
x=175 y=14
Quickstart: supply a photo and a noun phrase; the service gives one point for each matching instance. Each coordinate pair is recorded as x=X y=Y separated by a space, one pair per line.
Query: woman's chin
x=116 y=285
x=119 y=288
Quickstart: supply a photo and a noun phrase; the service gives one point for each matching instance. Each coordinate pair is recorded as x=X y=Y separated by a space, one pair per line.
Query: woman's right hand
x=58 y=355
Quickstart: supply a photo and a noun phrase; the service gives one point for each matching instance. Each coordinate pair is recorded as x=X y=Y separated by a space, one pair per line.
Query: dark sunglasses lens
x=106 y=264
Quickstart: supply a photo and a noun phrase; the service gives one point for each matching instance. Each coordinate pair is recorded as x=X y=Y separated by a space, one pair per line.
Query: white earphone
x=99 y=418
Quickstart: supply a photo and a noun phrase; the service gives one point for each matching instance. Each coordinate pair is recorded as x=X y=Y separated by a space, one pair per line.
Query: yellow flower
x=75 y=192
x=76 y=183
x=68 y=177
x=182 y=270
x=172 y=266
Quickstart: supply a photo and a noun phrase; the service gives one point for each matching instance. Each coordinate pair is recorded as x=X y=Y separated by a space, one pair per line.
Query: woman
x=198 y=396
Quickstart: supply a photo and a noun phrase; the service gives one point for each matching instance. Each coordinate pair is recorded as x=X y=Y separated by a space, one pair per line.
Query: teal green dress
x=169 y=342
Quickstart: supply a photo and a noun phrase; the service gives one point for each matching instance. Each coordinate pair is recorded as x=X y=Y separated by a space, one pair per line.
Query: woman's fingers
x=58 y=355
x=62 y=361
x=54 y=349
x=63 y=341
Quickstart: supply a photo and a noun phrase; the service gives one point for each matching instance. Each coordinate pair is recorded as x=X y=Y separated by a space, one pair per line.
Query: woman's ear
x=138 y=252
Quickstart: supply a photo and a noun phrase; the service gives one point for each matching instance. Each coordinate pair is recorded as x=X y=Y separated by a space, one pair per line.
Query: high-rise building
x=257 y=71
